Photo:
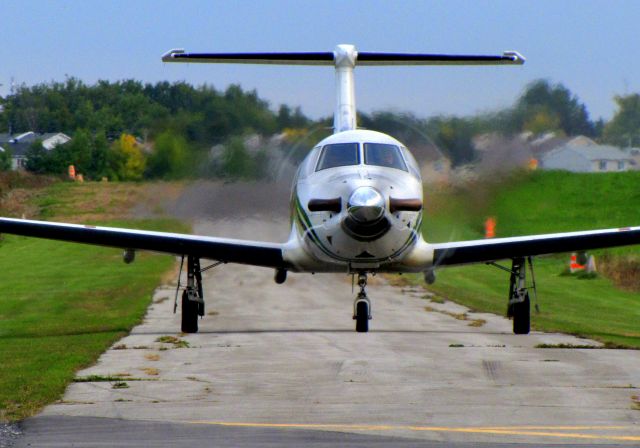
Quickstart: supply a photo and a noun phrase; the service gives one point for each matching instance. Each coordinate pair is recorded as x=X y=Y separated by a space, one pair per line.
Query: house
x=19 y=144
x=586 y=157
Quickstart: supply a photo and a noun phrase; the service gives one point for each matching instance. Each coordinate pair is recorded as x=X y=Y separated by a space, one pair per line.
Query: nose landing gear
x=362 y=306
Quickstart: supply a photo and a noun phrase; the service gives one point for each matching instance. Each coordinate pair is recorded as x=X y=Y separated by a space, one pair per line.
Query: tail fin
x=344 y=59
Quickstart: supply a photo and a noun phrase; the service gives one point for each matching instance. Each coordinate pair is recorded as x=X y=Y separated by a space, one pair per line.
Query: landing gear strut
x=362 y=306
x=519 y=304
x=519 y=308
x=192 y=297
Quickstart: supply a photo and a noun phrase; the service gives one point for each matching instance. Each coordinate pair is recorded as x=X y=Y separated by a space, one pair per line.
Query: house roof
x=4 y=138
x=18 y=149
x=594 y=152
x=29 y=136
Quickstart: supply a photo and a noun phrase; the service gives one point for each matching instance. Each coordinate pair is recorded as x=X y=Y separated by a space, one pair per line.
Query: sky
x=589 y=46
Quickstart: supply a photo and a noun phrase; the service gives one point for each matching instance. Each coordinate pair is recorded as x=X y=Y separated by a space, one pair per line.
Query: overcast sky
x=590 y=46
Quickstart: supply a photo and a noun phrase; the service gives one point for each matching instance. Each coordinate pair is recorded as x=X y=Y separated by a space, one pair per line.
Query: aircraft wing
x=482 y=251
x=221 y=249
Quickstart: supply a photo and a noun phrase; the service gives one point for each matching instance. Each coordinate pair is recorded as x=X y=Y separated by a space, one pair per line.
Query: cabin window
x=382 y=154
x=338 y=154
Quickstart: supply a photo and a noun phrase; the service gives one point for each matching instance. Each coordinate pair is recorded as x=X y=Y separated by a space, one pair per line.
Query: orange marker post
x=490 y=227
x=72 y=172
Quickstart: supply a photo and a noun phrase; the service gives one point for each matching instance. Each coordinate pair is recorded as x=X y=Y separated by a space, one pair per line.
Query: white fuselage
x=382 y=234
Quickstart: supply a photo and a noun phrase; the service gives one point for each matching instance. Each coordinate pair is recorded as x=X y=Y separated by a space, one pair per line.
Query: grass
x=602 y=308
x=64 y=304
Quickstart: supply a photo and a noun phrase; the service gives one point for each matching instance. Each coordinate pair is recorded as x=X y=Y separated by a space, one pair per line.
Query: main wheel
x=189 y=314
x=521 y=313
x=362 y=317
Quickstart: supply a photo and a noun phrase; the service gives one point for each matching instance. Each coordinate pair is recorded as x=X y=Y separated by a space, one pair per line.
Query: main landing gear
x=362 y=306
x=192 y=297
x=193 y=294
x=519 y=307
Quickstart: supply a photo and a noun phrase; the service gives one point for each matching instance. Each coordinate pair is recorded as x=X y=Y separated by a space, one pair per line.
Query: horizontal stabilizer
x=323 y=58
x=328 y=58
x=508 y=57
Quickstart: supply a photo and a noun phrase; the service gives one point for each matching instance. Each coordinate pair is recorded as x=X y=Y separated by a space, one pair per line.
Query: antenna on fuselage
x=344 y=58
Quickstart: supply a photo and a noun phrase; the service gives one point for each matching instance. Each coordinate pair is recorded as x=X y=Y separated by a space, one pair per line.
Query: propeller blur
x=357 y=205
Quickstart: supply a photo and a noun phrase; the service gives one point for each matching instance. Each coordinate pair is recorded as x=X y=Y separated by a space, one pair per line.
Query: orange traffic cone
x=574 y=266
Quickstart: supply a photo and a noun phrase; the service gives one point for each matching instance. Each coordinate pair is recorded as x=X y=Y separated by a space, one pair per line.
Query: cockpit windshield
x=338 y=154
x=382 y=154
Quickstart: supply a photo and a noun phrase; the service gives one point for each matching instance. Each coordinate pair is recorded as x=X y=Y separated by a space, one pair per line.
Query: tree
x=170 y=157
x=286 y=119
x=236 y=161
x=541 y=122
x=551 y=107
x=77 y=152
x=99 y=164
x=37 y=158
x=454 y=135
x=5 y=159
x=624 y=127
x=128 y=161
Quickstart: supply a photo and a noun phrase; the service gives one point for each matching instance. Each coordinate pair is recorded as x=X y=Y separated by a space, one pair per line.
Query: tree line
x=132 y=130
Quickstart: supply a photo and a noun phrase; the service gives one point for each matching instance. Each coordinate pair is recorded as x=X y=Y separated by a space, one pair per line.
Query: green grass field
x=63 y=304
x=544 y=202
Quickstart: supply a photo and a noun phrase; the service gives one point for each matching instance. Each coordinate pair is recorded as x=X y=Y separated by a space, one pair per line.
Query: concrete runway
x=281 y=365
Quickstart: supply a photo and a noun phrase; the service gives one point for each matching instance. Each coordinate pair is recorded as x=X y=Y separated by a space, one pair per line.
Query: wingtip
x=169 y=55
x=515 y=57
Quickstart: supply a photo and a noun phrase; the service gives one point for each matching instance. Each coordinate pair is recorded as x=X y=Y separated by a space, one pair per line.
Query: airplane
x=356 y=207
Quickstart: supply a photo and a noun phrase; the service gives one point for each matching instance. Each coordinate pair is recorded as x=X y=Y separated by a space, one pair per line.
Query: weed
x=120 y=347
x=120 y=385
x=477 y=323
x=106 y=378
x=177 y=342
x=152 y=356
x=457 y=316
x=435 y=299
x=607 y=345
x=151 y=371
x=456 y=345
x=96 y=379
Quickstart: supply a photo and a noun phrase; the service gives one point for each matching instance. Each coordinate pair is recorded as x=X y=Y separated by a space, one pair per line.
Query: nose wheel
x=362 y=306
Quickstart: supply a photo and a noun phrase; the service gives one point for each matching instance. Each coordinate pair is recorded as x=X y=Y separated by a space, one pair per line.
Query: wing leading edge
x=482 y=251
x=221 y=249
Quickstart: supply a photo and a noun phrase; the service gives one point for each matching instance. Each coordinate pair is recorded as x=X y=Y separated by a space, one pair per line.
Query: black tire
x=521 y=313
x=362 y=317
x=189 y=314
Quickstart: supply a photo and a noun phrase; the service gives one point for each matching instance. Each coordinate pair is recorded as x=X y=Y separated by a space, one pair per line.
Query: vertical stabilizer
x=344 y=116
